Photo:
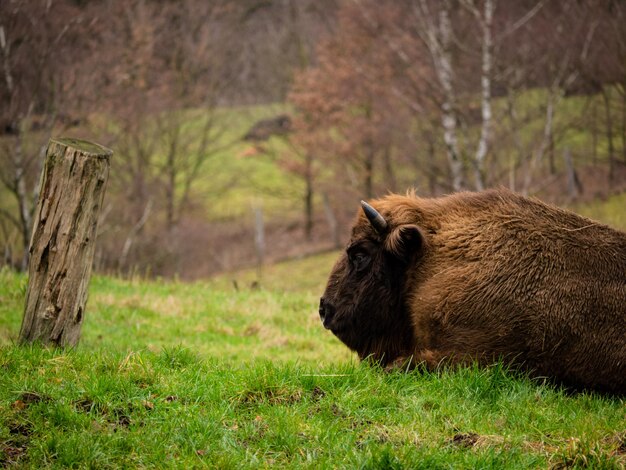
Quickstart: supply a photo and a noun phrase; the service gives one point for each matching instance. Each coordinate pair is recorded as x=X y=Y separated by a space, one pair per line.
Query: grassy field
x=175 y=375
x=175 y=409
x=611 y=212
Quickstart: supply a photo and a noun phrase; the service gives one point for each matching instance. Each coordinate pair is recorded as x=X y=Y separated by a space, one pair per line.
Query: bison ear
x=404 y=241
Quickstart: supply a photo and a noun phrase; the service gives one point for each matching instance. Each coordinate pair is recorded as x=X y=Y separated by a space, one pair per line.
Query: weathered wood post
x=63 y=241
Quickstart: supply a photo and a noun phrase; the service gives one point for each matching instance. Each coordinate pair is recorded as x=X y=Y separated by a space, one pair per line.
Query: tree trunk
x=449 y=113
x=259 y=241
x=609 y=134
x=332 y=222
x=63 y=241
x=537 y=158
x=574 y=186
x=623 y=91
x=432 y=174
x=368 y=167
x=486 y=22
x=516 y=159
x=308 y=197
x=22 y=200
x=437 y=34
x=390 y=175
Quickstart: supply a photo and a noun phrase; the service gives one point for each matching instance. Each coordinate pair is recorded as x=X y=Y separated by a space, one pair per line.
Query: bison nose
x=327 y=312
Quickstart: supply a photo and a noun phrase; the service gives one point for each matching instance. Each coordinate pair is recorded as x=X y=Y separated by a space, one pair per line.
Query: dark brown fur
x=482 y=276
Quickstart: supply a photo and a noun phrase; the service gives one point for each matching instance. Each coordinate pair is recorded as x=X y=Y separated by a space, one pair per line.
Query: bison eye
x=359 y=260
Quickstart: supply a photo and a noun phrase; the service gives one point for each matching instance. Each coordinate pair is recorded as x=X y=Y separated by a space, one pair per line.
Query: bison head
x=364 y=300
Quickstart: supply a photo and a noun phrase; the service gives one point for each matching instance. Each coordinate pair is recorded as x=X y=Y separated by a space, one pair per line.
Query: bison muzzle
x=483 y=277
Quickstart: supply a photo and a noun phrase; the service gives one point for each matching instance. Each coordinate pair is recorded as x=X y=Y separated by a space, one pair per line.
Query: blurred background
x=245 y=132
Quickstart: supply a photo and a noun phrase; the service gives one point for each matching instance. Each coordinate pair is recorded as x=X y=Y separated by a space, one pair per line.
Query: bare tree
x=40 y=56
x=560 y=69
x=485 y=21
x=436 y=31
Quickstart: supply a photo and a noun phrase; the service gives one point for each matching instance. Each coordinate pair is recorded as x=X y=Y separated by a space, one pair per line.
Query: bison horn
x=377 y=220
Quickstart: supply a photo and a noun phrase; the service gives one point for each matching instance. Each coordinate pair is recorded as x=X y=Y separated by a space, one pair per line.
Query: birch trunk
x=485 y=80
x=22 y=200
x=63 y=241
x=437 y=35
x=445 y=73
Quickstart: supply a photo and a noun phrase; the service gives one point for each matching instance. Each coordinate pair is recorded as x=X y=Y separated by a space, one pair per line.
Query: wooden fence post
x=63 y=241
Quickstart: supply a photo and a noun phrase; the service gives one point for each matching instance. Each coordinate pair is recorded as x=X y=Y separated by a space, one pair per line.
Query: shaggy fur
x=483 y=276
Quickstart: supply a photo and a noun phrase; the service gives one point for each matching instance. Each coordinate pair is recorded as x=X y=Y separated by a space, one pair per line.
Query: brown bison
x=481 y=277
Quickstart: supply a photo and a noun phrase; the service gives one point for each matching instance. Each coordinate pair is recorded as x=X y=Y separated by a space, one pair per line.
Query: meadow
x=237 y=372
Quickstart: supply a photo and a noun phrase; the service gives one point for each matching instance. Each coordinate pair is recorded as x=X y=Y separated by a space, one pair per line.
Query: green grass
x=173 y=375
x=174 y=409
x=612 y=211
x=210 y=318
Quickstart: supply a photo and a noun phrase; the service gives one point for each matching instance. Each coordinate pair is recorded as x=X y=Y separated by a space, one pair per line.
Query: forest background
x=246 y=132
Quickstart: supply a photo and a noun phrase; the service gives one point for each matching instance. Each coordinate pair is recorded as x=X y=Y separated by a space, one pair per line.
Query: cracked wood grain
x=63 y=241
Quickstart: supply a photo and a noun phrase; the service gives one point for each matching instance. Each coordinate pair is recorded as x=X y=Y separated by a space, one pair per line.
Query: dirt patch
x=84 y=405
x=13 y=448
x=465 y=440
x=26 y=399
x=11 y=453
x=317 y=393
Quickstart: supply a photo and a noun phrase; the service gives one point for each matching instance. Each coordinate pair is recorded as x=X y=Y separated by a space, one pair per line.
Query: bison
x=483 y=277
